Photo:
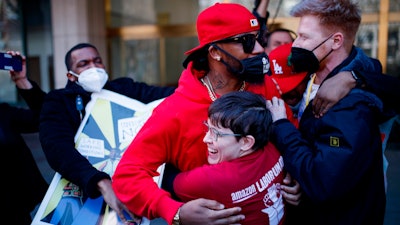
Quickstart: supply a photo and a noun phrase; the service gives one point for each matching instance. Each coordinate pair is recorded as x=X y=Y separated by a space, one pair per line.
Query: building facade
x=146 y=39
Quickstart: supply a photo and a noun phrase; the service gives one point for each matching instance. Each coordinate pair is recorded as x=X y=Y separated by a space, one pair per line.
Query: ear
x=71 y=77
x=214 y=53
x=247 y=143
x=338 y=40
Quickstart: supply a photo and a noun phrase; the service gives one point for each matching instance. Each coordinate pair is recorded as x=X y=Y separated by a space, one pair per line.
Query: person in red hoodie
x=228 y=58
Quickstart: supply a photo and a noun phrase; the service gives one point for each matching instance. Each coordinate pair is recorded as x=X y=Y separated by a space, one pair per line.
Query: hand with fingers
x=291 y=191
x=331 y=91
x=19 y=77
x=277 y=108
x=204 y=211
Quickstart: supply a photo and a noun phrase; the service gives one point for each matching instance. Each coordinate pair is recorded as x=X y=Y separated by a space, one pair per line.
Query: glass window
x=367 y=39
x=10 y=38
x=155 y=61
x=30 y=33
x=393 y=54
x=394 y=6
x=134 y=12
x=150 y=46
x=369 y=6
x=156 y=12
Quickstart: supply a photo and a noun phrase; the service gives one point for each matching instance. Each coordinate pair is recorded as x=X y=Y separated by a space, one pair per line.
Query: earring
x=218 y=58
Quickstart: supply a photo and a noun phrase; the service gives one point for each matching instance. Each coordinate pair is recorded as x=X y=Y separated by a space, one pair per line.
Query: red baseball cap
x=223 y=20
x=281 y=71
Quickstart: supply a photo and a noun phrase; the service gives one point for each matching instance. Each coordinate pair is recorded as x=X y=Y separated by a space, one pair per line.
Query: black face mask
x=251 y=70
x=303 y=60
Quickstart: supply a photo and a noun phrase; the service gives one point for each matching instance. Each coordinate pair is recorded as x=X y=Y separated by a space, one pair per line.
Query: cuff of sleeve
x=281 y=121
x=168 y=208
x=91 y=188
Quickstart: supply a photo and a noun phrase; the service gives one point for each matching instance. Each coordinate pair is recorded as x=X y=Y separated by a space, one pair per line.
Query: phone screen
x=9 y=62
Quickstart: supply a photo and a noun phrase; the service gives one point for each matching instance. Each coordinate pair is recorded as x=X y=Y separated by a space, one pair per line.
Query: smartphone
x=9 y=62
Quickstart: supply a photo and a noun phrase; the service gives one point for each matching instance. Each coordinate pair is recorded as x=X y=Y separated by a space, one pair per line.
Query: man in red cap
x=228 y=59
x=290 y=85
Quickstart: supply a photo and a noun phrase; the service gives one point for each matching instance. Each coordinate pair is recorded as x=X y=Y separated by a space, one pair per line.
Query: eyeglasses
x=248 y=41
x=214 y=133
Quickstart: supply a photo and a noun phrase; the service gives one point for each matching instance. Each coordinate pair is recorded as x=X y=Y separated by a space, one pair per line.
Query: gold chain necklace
x=210 y=88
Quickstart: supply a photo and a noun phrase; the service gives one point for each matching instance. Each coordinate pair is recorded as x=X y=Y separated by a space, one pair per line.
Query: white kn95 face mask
x=92 y=80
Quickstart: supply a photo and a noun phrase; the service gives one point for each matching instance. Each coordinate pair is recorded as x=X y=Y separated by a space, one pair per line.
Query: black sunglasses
x=248 y=41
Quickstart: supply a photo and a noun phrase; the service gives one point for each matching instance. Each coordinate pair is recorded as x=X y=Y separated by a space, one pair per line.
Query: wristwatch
x=359 y=81
x=176 y=220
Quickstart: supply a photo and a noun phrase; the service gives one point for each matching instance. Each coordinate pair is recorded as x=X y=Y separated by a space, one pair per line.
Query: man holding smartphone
x=22 y=172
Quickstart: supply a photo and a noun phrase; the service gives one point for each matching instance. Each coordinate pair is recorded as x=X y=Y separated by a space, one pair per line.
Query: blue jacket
x=386 y=87
x=337 y=159
x=60 y=120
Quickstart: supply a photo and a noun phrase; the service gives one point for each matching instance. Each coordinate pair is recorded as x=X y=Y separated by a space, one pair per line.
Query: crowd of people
x=227 y=59
x=260 y=128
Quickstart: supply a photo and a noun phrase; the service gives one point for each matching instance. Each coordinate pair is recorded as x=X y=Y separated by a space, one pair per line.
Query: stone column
x=76 y=21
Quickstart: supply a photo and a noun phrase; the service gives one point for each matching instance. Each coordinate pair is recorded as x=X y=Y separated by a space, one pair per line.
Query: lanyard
x=309 y=89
